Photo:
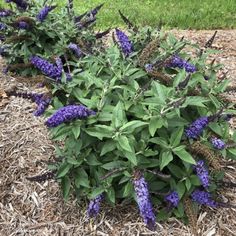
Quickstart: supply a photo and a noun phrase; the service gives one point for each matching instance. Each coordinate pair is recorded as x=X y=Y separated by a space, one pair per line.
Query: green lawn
x=184 y=14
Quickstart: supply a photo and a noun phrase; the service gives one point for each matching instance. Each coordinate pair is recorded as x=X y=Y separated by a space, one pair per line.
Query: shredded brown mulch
x=38 y=209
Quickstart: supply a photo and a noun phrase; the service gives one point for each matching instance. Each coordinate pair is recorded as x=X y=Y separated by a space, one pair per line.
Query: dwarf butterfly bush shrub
x=148 y=103
x=138 y=120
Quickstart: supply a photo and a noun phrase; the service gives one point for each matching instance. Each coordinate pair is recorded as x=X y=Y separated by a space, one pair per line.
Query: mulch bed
x=30 y=208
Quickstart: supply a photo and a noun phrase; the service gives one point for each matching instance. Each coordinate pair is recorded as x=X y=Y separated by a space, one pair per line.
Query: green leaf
x=216 y=128
x=188 y=184
x=179 y=77
x=100 y=131
x=184 y=155
x=64 y=169
x=195 y=180
x=109 y=146
x=92 y=160
x=111 y=195
x=195 y=101
x=180 y=189
x=176 y=136
x=131 y=156
x=76 y=131
x=156 y=122
x=132 y=125
x=166 y=158
x=113 y=164
x=232 y=151
x=81 y=178
x=124 y=143
x=160 y=91
x=118 y=117
x=176 y=170
x=128 y=189
x=66 y=185
x=97 y=191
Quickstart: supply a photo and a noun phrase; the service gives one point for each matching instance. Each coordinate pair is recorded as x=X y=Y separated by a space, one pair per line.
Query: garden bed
x=30 y=208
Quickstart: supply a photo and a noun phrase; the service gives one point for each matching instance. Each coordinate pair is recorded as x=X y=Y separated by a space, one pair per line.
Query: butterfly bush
x=196 y=128
x=49 y=69
x=67 y=114
x=94 y=206
x=202 y=173
x=173 y=199
x=124 y=42
x=144 y=202
x=218 y=143
x=203 y=198
x=44 y=12
x=127 y=128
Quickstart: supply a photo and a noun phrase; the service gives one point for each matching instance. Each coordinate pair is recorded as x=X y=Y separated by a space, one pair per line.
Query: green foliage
x=48 y=39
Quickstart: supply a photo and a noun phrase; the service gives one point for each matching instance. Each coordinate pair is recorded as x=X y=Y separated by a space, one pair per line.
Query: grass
x=183 y=14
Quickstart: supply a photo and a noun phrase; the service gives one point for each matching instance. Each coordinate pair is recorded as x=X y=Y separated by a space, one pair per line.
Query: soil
x=37 y=209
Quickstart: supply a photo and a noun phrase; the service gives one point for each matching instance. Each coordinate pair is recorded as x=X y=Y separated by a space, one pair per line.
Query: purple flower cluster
x=67 y=114
x=5 y=12
x=23 y=25
x=196 y=128
x=218 y=143
x=50 y=70
x=173 y=199
x=94 y=206
x=20 y=3
x=75 y=49
x=44 y=12
x=2 y=26
x=149 y=68
x=124 y=42
x=178 y=62
x=144 y=203
x=203 y=198
x=43 y=104
x=202 y=173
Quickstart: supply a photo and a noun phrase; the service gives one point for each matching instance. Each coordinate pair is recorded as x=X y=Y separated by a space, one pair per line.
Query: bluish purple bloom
x=196 y=128
x=50 y=70
x=67 y=114
x=20 y=3
x=202 y=173
x=203 y=198
x=149 y=67
x=144 y=203
x=43 y=104
x=94 y=206
x=5 y=12
x=75 y=49
x=44 y=12
x=173 y=199
x=23 y=25
x=218 y=143
x=124 y=42
x=178 y=62
x=2 y=26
